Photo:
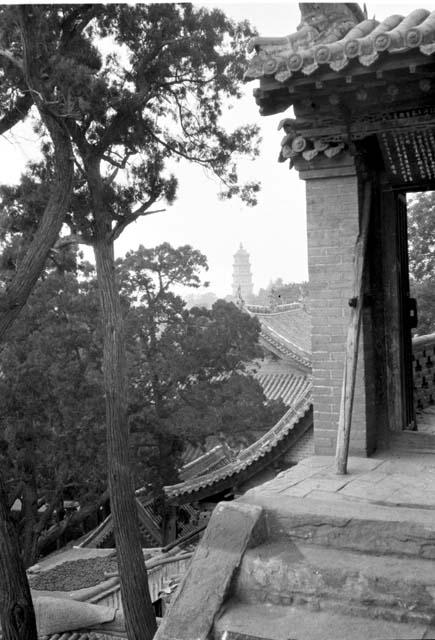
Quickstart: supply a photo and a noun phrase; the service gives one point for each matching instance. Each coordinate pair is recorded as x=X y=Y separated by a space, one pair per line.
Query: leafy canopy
x=137 y=87
x=188 y=366
x=186 y=380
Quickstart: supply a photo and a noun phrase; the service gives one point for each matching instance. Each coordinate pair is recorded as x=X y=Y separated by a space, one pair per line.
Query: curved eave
x=281 y=348
x=251 y=460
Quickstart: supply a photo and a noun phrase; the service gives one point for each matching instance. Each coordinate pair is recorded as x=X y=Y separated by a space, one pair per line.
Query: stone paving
x=426 y=421
x=402 y=480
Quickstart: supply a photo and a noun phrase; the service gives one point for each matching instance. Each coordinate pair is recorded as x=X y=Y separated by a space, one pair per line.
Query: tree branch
x=47 y=513
x=17 y=113
x=16 y=494
x=206 y=162
x=123 y=117
x=122 y=224
x=67 y=241
x=118 y=165
x=7 y=55
x=77 y=517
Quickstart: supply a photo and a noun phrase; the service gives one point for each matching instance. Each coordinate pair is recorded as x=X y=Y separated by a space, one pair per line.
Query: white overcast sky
x=273 y=232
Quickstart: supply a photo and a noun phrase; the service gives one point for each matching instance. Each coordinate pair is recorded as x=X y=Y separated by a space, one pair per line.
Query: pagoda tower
x=242 y=275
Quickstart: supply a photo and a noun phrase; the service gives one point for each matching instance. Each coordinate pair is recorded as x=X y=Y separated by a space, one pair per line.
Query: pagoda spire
x=242 y=275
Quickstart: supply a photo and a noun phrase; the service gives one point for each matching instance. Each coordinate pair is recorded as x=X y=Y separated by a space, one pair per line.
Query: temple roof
x=149 y=523
x=363 y=42
x=286 y=331
x=295 y=421
x=285 y=386
x=209 y=461
x=76 y=592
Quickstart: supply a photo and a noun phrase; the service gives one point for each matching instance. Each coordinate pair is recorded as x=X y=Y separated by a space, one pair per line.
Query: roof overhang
x=379 y=84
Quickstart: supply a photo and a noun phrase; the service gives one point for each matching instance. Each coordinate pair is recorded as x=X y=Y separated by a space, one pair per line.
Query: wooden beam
x=353 y=333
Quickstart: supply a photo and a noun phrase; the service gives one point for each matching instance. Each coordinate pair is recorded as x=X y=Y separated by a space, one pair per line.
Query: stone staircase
x=334 y=558
x=306 y=586
x=305 y=583
x=334 y=569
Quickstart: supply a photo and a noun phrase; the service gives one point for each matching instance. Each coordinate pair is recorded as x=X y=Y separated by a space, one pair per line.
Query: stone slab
x=323 y=503
x=369 y=491
x=343 y=522
x=233 y=527
x=395 y=481
x=273 y=622
x=392 y=588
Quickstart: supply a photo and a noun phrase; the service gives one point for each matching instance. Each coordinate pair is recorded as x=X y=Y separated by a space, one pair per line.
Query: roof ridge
x=273 y=309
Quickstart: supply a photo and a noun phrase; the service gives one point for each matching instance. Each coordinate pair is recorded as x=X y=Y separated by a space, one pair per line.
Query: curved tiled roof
x=363 y=42
x=285 y=386
x=104 y=597
x=252 y=455
x=217 y=457
x=287 y=329
x=149 y=523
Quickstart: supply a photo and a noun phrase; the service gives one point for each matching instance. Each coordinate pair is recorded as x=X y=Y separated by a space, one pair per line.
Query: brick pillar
x=333 y=210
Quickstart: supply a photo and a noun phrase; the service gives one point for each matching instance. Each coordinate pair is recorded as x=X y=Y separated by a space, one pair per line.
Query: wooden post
x=353 y=332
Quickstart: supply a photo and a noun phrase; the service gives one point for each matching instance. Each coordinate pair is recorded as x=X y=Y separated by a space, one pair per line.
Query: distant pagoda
x=242 y=276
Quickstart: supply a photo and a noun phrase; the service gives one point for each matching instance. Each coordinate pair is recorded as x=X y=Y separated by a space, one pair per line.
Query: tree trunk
x=33 y=262
x=138 y=609
x=168 y=476
x=30 y=517
x=16 y=608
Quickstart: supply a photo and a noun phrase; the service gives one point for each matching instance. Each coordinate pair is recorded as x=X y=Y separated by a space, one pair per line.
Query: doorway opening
x=421 y=278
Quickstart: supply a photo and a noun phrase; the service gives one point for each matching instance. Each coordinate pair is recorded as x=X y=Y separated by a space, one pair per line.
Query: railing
x=423 y=361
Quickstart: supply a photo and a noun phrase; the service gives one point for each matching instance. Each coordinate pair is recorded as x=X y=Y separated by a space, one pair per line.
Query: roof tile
x=283 y=57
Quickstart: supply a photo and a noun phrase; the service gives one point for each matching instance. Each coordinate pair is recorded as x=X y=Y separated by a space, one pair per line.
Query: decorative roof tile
x=364 y=41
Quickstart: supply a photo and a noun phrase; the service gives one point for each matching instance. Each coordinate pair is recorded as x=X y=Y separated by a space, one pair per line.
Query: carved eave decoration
x=348 y=78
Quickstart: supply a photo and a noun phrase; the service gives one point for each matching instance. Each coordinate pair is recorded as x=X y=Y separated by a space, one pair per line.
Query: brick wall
x=303 y=448
x=423 y=364
x=332 y=227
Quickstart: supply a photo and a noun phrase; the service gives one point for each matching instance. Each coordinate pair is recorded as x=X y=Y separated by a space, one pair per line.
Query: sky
x=273 y=232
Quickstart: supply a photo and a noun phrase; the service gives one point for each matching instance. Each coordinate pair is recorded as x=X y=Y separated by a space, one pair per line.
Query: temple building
x=242 y=276
x=362 y=137
x=327 y=550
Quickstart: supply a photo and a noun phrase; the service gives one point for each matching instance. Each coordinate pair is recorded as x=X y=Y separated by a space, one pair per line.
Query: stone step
x=347 y=523
x=413 y=441
x=377 y=587
x=241 y=621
